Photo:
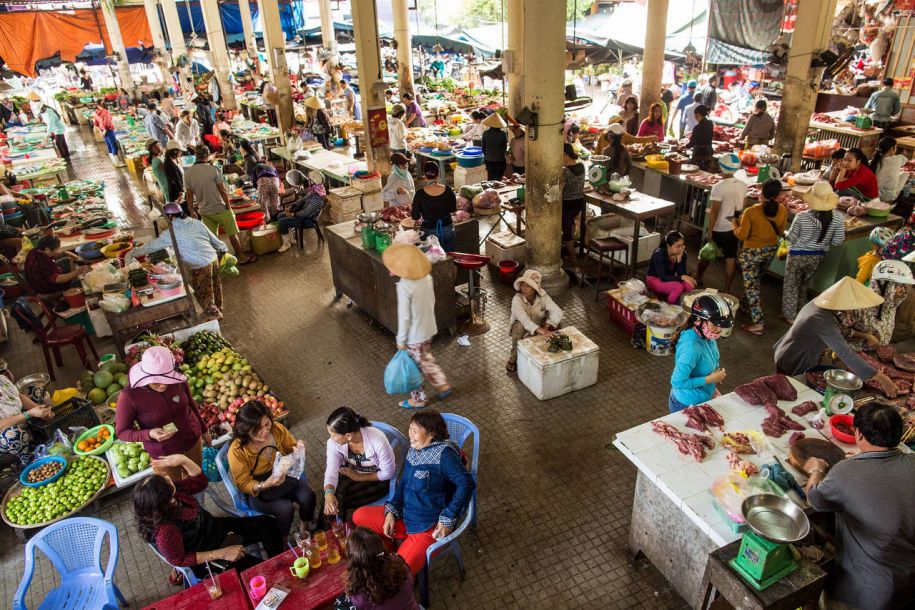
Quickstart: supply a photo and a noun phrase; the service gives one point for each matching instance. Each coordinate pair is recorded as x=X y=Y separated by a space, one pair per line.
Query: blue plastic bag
x=402 y=376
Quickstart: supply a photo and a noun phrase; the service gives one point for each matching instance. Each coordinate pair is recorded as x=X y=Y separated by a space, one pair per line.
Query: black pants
x=283 y=508
x=518 y=169
x=64 y=150
x=355 y=494
x=252 y=530
x=495 y=169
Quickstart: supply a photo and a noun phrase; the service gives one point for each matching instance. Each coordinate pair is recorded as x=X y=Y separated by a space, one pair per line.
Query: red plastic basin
x=849 y=421
x=469 y=261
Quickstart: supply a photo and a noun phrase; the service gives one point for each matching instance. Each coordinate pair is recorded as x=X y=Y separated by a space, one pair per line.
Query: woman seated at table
x=435 y=203
x=302 y=213
x=16 y=410
x=43 y=269
x=360 y=463
x=667 y=276
x=855 y=178
x=375 y=579
x=533 y=312
x=434 y=491
x=251 y=455
x=187 y=535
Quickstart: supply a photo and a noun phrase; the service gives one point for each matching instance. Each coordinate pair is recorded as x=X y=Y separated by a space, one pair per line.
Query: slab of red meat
x=905 y=362
x=890 y=371
x=784 y=390
x=777 y=423
x=795 y=437
x=808 y=406
x=886 y=353
x=903 y=386
x=703 y=417
x=688 y=444
x=756 y=393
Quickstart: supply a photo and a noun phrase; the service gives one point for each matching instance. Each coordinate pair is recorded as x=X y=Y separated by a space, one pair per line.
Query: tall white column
x=176 y=41
x=515 y=17
x=155 y=29
x=404 y=45
x=543 y=50
x=653 y=57
x=328 y=38
x=247 y=26
x=371 y=82
x=117 y=44
x=219 y=53
x=275 y=48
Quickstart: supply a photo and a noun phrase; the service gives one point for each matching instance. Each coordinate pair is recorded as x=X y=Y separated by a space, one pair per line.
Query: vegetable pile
x=129 y=458
x=84 y=477
x=111 y=378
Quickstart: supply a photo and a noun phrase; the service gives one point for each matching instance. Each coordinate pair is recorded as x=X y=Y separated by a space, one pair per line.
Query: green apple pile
x=84 y=477
x=128 y=458
x=110 y=379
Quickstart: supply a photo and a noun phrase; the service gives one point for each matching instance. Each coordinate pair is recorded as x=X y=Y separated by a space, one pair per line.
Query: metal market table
x=639 y=208
x=444 y=162
x=333 y=165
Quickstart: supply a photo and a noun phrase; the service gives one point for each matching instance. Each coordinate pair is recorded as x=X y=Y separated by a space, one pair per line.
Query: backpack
x=24 y=316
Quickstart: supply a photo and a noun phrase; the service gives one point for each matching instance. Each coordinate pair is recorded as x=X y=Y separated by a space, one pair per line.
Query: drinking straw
x=210 y=571
x=292 y=548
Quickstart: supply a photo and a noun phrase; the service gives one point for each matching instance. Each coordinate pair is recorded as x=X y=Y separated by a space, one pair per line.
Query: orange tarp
x=28 y=37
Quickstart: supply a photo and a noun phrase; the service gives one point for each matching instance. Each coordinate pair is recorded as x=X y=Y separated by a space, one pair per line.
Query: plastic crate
x=620 y=315
x=209 y=465
x=70 y=413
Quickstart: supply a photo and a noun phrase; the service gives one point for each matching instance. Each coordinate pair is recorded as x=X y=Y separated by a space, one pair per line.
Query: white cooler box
x=372 y=202
x=468 y=175
x=647 y=245
x=548 y=375
x=506 y=245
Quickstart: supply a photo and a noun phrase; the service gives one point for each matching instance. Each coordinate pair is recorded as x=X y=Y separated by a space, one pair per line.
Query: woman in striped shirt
x=810 y=236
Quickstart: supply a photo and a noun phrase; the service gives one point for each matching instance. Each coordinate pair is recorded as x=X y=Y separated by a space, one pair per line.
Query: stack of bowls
x=470 y=156
x=12 y=215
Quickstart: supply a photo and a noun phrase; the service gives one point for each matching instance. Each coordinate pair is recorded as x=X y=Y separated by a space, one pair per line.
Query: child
x=879 y=237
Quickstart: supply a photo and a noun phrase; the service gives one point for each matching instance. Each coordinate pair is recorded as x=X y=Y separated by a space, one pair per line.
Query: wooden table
x=125 y=324
x=319 y=588
x=639 y=208
x=906 y=145
x=332 y=164
x=192 y=598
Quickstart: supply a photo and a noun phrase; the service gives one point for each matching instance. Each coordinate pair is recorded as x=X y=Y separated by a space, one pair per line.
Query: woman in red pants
x=432 y=495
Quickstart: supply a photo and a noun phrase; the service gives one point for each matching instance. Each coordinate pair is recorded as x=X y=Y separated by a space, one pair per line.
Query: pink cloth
x=670 y=291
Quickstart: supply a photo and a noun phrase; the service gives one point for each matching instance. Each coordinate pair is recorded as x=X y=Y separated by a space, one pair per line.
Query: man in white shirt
x=187 y=131
x=726 y=201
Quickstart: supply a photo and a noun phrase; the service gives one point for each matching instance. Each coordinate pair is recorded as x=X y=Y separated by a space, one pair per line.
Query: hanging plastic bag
x=227 y=265
x=292 y=465
x=710 y=251
x=782 y=252
x=402 y=376
x=432 y=249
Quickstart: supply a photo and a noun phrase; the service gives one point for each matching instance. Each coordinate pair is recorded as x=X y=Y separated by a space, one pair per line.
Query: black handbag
x=272 y=493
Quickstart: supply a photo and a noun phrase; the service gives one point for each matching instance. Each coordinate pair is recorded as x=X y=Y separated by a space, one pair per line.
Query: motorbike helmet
x=892 y=271
x=712 y=308
x=881 y=236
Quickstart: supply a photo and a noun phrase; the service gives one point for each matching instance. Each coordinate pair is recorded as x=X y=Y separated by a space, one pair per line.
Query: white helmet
x=892 y=271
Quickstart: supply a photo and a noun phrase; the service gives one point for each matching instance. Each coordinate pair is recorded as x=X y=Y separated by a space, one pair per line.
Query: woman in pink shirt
x=653 y=125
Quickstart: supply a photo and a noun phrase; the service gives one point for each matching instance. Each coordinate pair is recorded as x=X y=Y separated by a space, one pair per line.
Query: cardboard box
x=506 y=245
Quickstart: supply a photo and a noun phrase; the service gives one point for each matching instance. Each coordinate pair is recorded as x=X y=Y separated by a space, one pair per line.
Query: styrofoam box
x=548 y=375
x=118 y=481
x=506 y=245
x=647 y=245
x=345 y=199
x=469 y=175
x=340 y=217
x=372 y=202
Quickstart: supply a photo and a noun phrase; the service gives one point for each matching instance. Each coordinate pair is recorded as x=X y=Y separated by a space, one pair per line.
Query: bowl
x=775 y=518
x=92 y=432
x=89 y=252
x=117 y=249
x=845 y=421
x=843 y=380
x=23 y=476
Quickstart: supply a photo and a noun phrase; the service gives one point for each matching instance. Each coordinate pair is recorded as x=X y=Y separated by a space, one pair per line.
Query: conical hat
x=848 y=294
x=313 y=102
x=494 y=120
x=406 y=261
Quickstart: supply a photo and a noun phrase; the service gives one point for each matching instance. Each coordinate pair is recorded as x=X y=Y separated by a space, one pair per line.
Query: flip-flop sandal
x=511 y=367
x=251 y=259
x=406 y=405
x=175 y=578
x=445 y=393
x=746 y=328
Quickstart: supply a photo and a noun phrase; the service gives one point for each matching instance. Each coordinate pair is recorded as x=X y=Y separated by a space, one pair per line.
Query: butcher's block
x=806 y=448
x=550 y=374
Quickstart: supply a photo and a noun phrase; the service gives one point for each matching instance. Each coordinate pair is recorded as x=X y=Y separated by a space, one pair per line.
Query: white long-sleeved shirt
x=890 y=177
x=397 y=131
x=415 y=311
x=377 y=450
x=188 y=134
x=542 y=312
x=390 y=194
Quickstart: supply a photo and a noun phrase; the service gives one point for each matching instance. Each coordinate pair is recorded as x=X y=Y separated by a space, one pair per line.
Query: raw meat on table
x=778 y=422
x=687 y=443
x=795 y=437
x=738 y=442
x=781 y=386
x=703 y=417
x=890 y=371
x=756 y=393
x=886 y=353
x=746 y=466
x=808 y=406
x=903 y=386
x=905 y=362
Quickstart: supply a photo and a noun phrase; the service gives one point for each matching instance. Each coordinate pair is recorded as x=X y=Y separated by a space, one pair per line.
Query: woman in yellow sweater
x=251 y=455
x=759 y=229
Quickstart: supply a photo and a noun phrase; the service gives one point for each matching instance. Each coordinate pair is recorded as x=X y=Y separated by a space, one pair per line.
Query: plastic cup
x=214 y=589
x=333 y=554
x=314 y=557
x=299 y=568
x=321 y=539
x=258 y=586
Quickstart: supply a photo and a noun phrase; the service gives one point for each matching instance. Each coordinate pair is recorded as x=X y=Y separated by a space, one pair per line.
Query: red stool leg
x=47 y=361
x=57 y=358
x=82 y=353
x=91 y=346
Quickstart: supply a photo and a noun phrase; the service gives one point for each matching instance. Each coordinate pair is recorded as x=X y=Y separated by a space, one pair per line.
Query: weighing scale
x=597 y=174
x=840 y=384
x=766 y=552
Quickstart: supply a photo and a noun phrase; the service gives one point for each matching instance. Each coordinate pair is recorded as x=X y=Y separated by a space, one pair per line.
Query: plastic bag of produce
x=469 y=191
x=292 y=464
x=402 y=376
x=709 y=252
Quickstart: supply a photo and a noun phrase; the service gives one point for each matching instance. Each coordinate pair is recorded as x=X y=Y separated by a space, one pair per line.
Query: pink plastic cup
x=258 y=587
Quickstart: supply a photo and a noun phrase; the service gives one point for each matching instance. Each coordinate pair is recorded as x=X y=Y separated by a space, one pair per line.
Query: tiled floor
x=554 y=496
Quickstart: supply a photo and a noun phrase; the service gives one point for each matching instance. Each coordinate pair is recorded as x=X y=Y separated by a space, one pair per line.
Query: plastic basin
x=23 y=476
x=508 y=271
x=92 y=432
x=847 y=420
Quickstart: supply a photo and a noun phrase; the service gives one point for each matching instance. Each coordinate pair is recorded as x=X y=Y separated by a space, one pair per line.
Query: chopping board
x=806 y=448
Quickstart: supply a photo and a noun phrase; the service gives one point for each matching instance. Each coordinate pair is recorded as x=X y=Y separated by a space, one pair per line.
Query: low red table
x=320 y=588
x=193 y=598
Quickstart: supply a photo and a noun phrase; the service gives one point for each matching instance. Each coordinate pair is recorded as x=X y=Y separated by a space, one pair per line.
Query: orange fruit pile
x=92 y=443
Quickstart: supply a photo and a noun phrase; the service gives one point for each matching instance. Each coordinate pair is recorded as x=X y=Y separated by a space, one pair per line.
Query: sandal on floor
x=406 y=405
x=747 y=327
x=248 y=261
x=445 y=393
x=175 y=578
x=511 y=367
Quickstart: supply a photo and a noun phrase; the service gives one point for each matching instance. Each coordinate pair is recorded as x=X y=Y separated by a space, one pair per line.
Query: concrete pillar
x=328 y=37
x=247 y=25
x=515 y=17
x=176 y=41
x=219 y=53
x=275 y=48
x=653 y=57
x=811 y=34
x=404 y=45
x=371 y=83
x=155 y=29
x=544 y=23
x=117 y=44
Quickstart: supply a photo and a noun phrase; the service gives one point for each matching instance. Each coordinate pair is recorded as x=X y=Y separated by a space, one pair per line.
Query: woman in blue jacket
x=433 y=493
x=696 y=362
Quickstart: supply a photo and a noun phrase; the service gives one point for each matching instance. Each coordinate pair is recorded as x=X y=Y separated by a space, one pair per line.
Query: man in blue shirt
x=156 y=126
x=885 y=104
x=685 y=100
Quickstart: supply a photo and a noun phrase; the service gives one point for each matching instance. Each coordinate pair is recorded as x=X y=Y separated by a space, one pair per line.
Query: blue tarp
x=292 y=19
